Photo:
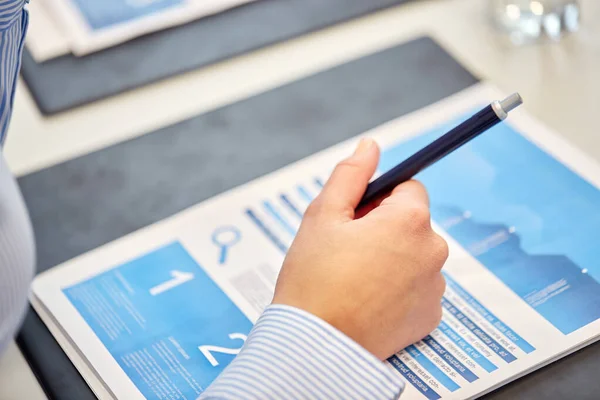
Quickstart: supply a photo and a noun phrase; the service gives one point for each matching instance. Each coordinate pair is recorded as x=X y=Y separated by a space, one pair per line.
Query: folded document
x=162 y=311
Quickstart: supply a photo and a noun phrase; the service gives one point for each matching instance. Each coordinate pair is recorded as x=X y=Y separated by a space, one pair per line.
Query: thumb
x=348 y=182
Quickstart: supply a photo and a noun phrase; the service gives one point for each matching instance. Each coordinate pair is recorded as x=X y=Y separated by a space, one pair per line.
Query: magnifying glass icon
x=224 y=238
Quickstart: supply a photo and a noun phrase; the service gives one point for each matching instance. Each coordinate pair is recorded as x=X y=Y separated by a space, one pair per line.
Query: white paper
x=92 y=25
x=504 y=316
x=45 y=40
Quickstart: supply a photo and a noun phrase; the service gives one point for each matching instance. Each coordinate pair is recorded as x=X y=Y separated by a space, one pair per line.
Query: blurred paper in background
x=87 y=26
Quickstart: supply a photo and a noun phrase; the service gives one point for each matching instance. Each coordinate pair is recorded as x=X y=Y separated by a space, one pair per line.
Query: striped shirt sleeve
x=291 y=354
x=17 y=255
x=13 y=26
x=16 y=237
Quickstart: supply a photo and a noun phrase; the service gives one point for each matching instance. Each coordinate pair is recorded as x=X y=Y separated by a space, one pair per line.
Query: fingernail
x=363 y=146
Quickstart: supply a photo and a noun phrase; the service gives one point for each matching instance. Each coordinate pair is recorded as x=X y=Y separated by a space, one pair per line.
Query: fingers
x=408 y=206
x=347 y=184
x=407 y=210
x=407 y=193
x=411 y=191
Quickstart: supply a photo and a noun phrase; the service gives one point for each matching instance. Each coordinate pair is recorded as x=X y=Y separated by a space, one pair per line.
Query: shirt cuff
x=294 y=355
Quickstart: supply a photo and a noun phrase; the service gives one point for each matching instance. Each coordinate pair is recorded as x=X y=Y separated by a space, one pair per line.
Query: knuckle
x=441 y=286
x=346 y=164
x=314 y=209
x=433 y=318
x=418 y=217
x=436 y=317
x=440 y=249
x=417 y=185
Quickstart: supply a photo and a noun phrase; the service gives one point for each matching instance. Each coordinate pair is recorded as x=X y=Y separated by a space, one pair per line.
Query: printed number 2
x=206 y=350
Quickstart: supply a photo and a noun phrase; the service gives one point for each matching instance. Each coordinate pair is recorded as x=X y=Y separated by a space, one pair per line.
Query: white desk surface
x=559 y=82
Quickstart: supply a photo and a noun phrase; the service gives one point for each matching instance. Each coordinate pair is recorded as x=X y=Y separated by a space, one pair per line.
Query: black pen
x=471 y=128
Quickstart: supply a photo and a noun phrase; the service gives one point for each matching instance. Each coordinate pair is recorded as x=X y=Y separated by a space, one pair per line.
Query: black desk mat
x=88 y=201
x=69 y=81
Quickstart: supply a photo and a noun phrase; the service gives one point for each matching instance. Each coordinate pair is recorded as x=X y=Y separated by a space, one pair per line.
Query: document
x=161 y=312
x=92 y=25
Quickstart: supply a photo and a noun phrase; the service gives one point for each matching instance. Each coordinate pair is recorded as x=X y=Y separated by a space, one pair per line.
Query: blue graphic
x=305 y=194
x=155 y=314
x=272 y=211
x=525 y=216
x=290 y=205
x=435 y=372
x=411 y=377
x=101 y=14
x=273 y=214
x=224 y=238
x=320 y=184
x=450 y=359
x=478 y=332
x=466 y=347
x=484 y=312
x=266 y=231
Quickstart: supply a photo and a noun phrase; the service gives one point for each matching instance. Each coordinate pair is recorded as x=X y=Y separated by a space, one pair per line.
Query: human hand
x=376 y=278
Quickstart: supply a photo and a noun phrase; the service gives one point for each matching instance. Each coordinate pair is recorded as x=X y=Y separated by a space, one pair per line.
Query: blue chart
x=106 y=13
x=525 y=216
x=166 y=323
x=469 y=343
x=278 y=218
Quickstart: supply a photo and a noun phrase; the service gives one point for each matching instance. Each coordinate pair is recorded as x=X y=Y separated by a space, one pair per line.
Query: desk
x=17 y=382
x=558 y=82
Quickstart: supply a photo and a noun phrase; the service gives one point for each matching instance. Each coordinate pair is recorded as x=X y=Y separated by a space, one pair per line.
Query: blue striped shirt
x=13 y=26
x=16 y=236
x=291 y=354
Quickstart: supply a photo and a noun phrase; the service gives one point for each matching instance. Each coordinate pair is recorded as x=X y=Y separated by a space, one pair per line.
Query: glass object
x=526 y=21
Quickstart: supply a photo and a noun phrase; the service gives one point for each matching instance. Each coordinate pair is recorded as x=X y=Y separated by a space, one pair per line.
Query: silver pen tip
x=511 y=102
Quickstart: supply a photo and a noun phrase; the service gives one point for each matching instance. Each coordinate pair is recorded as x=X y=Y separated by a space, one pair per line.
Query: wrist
x=326 y=340
x=346 y=323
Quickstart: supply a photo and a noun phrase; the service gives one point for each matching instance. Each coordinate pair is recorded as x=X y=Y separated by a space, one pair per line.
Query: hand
x=376 y=278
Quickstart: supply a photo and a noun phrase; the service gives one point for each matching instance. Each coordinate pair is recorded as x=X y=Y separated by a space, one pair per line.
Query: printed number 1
x=178 y=278
x=207 y=350
x=142 y=3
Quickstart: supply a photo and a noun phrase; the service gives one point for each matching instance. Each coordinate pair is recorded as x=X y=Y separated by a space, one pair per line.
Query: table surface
x=559 y=82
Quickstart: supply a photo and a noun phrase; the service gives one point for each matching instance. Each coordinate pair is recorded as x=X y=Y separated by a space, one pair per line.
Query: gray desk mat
x=86 y=202
x=69 y=81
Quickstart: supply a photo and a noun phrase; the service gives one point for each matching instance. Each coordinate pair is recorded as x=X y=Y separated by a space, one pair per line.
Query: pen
x=469 y=129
